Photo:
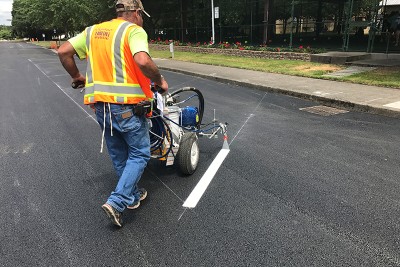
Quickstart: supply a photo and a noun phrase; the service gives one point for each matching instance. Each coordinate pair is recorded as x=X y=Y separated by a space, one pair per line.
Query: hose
x=161 y=130
x=201 y=101
x=158 y=132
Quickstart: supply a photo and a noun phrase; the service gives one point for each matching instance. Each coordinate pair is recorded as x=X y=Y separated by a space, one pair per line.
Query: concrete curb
x=323 y=100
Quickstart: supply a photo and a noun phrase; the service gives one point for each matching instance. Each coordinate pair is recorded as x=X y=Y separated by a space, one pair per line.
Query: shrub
x=240 y=46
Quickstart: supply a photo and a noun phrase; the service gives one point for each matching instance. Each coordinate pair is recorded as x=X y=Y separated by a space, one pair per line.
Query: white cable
x=104 y=128
x=109 y=110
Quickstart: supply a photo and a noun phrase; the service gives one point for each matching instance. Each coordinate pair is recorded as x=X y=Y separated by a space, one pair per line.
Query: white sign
x=216 y=9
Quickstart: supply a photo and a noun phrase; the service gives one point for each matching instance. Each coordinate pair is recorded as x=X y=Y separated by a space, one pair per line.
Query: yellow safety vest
x=112 y=75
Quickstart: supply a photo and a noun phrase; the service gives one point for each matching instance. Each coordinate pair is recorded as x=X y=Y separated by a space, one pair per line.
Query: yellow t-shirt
x=137 y=42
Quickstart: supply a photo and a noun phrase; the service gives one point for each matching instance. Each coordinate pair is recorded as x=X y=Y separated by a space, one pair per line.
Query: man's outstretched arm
x=66 y=54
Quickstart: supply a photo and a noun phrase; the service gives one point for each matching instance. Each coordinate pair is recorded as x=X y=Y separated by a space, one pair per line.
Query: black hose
x=161 y=131
x=201 y=101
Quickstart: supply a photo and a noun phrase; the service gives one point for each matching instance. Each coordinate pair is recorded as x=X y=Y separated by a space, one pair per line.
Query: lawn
x=382 y=76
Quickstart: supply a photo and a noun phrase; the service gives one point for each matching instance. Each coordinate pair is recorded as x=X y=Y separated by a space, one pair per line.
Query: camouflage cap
x=129 y=5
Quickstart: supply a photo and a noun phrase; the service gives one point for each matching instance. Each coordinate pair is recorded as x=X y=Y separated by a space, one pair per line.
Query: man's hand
x=78 y=82
x=163 y=86
x=66 y=54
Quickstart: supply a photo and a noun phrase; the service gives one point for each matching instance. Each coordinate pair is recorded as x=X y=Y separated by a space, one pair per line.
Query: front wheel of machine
x=188 y=153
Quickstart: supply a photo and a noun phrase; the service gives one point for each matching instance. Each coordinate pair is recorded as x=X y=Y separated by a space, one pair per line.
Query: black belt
x=139 y=109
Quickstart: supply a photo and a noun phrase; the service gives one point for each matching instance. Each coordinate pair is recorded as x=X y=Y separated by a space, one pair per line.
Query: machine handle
x=78 y=84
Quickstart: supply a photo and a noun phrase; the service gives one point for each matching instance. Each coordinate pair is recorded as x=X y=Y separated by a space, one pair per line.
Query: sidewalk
x=364 y=98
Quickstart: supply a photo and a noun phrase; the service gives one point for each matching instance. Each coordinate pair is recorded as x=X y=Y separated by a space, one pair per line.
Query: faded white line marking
x=241 y=128
x=372 y=100
x=180 y=217
x=21 y=149
x=393 y=105
x=17 y=183
x=251 y=115
x=325 y=93
x=62 y=90
x=59 y=75
x=27 y=148
x=17 y=217
x=152 y=173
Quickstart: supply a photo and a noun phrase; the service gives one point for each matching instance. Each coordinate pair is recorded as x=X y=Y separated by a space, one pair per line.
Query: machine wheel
x=188 y=153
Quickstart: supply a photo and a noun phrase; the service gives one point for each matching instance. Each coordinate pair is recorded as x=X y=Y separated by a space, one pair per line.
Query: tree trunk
x=319 y=19
x=184 y=10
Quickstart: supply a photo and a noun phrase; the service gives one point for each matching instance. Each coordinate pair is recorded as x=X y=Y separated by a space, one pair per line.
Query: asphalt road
x=297 y=189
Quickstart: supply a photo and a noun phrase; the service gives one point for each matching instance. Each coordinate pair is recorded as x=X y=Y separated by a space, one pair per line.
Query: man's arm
x=150 y=69
x=66 y=54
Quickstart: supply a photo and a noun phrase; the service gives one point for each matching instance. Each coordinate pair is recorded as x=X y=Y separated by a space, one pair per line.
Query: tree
x=5 y=32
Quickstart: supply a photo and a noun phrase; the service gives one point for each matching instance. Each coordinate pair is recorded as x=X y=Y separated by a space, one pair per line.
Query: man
x=117 y=85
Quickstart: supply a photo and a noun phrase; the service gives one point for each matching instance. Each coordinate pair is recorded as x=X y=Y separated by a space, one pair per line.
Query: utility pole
x=212 y=22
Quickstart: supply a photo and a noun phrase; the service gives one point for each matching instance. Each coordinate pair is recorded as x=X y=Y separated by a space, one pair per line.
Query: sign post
x=171 y=48
x=212 y=22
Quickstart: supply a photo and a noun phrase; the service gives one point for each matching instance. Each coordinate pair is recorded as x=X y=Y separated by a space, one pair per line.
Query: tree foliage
x=175 y=19
x=5 y=33
x=31 y=18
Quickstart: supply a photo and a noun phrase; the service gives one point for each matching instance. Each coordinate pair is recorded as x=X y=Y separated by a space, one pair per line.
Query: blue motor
x=189 y=116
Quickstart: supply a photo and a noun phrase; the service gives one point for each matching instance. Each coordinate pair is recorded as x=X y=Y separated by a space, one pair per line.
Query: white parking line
x=201 y=187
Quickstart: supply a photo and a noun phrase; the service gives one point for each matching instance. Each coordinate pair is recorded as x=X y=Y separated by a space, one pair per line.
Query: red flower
x=301 y=47
x=278 y=49
x=241 y=48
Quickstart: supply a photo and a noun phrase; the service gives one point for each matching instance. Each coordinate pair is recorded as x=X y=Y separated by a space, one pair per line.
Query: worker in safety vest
x=117 y=86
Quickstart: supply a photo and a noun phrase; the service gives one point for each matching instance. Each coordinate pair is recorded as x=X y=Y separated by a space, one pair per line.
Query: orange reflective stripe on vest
x=112 y=75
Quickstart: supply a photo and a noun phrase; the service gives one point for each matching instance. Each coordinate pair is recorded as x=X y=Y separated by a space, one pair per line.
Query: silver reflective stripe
x=91 y=99
x=118 y=52
x=89 y=90
x=115 y=89
x=89 y=71
x=120 y=99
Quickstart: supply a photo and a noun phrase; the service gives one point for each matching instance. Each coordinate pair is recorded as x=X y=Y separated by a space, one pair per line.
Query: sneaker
x=114 y=215
x=136 y=204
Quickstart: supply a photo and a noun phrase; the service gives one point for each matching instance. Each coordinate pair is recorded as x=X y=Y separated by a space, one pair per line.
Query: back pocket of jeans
x=127 y=121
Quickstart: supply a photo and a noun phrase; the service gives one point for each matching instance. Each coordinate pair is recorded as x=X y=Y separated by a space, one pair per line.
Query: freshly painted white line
x=393 y=105
x=62 y=90
x=204 y=182
x=202 y=185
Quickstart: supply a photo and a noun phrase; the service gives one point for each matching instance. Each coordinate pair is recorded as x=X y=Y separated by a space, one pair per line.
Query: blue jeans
x=129 y=149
